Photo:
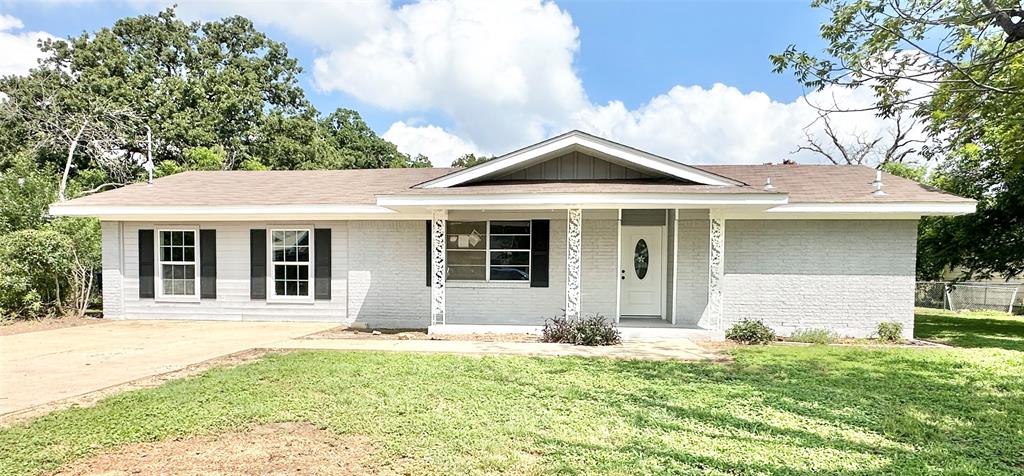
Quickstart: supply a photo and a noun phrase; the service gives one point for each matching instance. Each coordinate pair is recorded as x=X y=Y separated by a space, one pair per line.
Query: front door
x=641 y=274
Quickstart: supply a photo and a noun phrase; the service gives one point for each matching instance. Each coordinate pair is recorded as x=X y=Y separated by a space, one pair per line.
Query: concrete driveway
x=41 y=367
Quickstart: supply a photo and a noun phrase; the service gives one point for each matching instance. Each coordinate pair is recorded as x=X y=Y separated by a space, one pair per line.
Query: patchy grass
x=976 y=329
x=773 y=410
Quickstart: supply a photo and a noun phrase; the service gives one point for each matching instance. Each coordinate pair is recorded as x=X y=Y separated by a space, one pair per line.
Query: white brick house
x=575 y=222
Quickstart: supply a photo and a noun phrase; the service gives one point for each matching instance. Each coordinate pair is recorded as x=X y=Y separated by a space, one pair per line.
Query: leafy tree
x=25 y=194
x=958 y=67
x=913 y=172
x=902 y=49
x=56 y=111
x=195 y=84
x=361 y=148
x=197 y=158
x=983 y=138
x=469 y=160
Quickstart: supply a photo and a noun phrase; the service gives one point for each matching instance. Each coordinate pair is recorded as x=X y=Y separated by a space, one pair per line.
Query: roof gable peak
x=592 y=146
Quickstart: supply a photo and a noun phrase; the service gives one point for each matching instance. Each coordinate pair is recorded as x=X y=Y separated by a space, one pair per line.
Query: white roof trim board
x=576 y=140
x=585 y=200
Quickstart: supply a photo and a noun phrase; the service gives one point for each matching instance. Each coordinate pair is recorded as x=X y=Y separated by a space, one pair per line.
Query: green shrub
x=587 y=330
x=750 y=331
x=813 y=336
x=890 y=331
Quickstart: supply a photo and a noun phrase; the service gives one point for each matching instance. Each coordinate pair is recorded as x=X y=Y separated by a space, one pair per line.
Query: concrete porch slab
x=629 y=332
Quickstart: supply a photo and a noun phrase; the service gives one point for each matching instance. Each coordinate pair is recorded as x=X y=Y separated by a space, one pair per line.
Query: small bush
x=813 y=336
x=587 y=330
x=890 y=331
x=750 y=332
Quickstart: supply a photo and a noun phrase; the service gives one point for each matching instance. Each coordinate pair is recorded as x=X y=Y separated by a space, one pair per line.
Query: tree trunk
x=71 y=157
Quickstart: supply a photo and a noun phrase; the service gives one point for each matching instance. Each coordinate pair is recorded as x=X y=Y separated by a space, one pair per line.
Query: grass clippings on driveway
x=775 y=409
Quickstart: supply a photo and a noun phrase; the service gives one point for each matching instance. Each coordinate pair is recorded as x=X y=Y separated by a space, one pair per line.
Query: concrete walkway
x=675 y=349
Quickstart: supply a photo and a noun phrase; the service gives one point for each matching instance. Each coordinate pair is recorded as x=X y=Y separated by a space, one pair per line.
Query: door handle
x=623 y=276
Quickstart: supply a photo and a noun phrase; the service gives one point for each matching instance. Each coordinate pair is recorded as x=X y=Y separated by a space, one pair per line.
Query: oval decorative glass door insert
x=641 y=256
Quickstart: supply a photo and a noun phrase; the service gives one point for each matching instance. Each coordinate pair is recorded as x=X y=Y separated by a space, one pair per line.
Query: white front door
x=641 y=274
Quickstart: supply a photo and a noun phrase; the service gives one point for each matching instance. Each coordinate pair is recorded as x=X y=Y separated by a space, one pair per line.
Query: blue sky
x=686 y=79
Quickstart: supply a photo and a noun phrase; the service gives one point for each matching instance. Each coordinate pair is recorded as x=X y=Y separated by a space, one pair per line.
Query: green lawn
x=975 y=329
x=776 y=409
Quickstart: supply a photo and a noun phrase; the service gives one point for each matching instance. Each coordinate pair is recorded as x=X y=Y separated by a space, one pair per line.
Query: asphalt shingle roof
x=803 y=183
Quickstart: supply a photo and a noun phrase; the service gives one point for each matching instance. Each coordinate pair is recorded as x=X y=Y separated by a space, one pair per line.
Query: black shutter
x=429 y=244
x=257 y=264
x=322 y=265
x=146 y=266
x=208 y=264
x=540 y=245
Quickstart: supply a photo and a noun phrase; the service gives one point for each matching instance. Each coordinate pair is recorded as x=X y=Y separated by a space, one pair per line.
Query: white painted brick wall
x=490 y=303
x=387 y=274
x=844 y=275
x=692 y=271
x=232 y=302
x=113 y=283
x=600 y=264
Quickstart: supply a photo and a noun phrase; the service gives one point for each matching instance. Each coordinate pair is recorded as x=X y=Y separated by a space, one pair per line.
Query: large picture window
x=290 y=262
x=488 y=250
x=178 y=252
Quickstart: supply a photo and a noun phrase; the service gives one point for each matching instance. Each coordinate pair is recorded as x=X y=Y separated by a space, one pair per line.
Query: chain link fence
x=969 y=295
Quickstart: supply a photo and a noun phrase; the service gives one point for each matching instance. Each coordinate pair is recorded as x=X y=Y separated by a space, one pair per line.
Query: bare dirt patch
x=417 y=334
x=279 y=448
x=90 y=399
x=21 y=326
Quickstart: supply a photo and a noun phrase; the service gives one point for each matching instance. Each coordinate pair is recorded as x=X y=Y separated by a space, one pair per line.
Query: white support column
x=618 y=266
x=438 y=260
x=712 y=318
x=573 y=262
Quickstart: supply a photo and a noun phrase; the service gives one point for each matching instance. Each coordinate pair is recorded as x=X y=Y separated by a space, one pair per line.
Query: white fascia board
x=574 y=141
x=291 y=212
x=586 y=200
x=920 y=208
x=854 y=211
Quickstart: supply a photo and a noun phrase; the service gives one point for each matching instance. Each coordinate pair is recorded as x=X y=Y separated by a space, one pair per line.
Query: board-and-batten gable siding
x=518 y=304
x=842 y=275
x=233 y=300
x=575 y=166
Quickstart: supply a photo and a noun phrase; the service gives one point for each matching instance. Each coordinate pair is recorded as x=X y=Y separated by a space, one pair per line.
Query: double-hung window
x=488 y=250
x=290 y=263
x=178 y=250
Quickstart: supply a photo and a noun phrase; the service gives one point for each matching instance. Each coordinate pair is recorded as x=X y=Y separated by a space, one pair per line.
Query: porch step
x=628 y=333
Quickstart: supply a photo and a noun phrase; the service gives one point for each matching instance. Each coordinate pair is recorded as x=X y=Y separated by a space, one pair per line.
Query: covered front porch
x=656 y=272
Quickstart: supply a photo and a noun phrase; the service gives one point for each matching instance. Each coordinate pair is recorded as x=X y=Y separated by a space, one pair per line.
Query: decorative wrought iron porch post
x=712 y=319
x=438 y=261
x=573 y=261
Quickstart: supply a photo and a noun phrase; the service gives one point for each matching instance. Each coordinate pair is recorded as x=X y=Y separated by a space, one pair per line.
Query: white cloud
x=432 y=141
x=502 y=71
x=19 y=50
x=503 y=74
x=725 y=125
x=324 y=24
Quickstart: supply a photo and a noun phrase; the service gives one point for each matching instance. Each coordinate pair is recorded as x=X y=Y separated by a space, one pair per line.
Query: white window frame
x=272 y=295
x=159 y=271
x=487 y=251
